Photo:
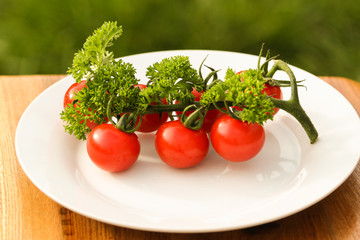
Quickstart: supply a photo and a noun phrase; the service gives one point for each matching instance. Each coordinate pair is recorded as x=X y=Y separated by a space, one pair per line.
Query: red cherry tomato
x=210 y=116
x=151 y=122
x=273 y=91
x=111 y=149
x=236 y=140
x=69 y=99
x=181 y=147
x=70 y=93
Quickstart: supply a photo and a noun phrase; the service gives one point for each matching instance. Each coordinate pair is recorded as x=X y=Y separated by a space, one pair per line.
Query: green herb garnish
x=111 y=90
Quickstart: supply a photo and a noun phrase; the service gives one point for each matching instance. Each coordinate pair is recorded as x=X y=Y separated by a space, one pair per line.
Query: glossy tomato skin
x=210 y=116
x=151 y=122
x=273 y=91
x=181 y=147
x=236 y=140
x=70 y=93
x=111 y=149
x=69 y=99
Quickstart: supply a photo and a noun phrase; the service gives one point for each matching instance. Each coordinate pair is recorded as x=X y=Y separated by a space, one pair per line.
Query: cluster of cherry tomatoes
x=178 y=146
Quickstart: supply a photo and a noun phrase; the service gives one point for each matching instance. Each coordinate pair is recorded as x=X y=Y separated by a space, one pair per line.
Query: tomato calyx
x=196 y=118
x=127 y=123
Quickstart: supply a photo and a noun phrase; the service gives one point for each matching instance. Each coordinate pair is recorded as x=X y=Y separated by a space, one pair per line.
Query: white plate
x=287 y=176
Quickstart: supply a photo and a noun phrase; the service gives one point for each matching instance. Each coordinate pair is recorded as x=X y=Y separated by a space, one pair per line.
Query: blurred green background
x=322 y=37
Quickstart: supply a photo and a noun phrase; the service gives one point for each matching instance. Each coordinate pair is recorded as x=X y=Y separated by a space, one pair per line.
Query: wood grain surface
x=27 y=213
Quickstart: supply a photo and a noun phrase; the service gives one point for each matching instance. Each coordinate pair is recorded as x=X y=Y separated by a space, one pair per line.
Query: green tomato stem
x=127 y=122
x=177 y=107
x=195 y=120
x=292 y=106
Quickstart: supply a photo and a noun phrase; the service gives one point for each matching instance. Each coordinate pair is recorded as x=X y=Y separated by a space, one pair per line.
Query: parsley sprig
x=106 y=77
x=93 y=55
x=242 y=96
x=173 y=78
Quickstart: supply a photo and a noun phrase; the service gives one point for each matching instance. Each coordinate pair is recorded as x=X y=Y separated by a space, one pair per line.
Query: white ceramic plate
x=287 y=176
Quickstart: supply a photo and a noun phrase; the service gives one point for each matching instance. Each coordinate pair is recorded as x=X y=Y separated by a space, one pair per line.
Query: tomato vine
x=111 y=90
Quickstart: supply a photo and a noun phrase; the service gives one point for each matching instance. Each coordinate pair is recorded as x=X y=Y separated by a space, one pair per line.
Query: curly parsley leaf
x=94 y=53
x=244 y=93
x=174 y=79
x=75 y=121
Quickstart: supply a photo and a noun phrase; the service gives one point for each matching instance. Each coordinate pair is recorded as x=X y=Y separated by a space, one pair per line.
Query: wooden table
x=27 y=213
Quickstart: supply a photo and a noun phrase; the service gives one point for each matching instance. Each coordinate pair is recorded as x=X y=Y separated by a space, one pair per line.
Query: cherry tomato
x=111 y=149
x=70 y=93
x=181 y=147
x=236 y=140
x=151 y=122
x=273 y=91
x=69 y=99
x=210 y=116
